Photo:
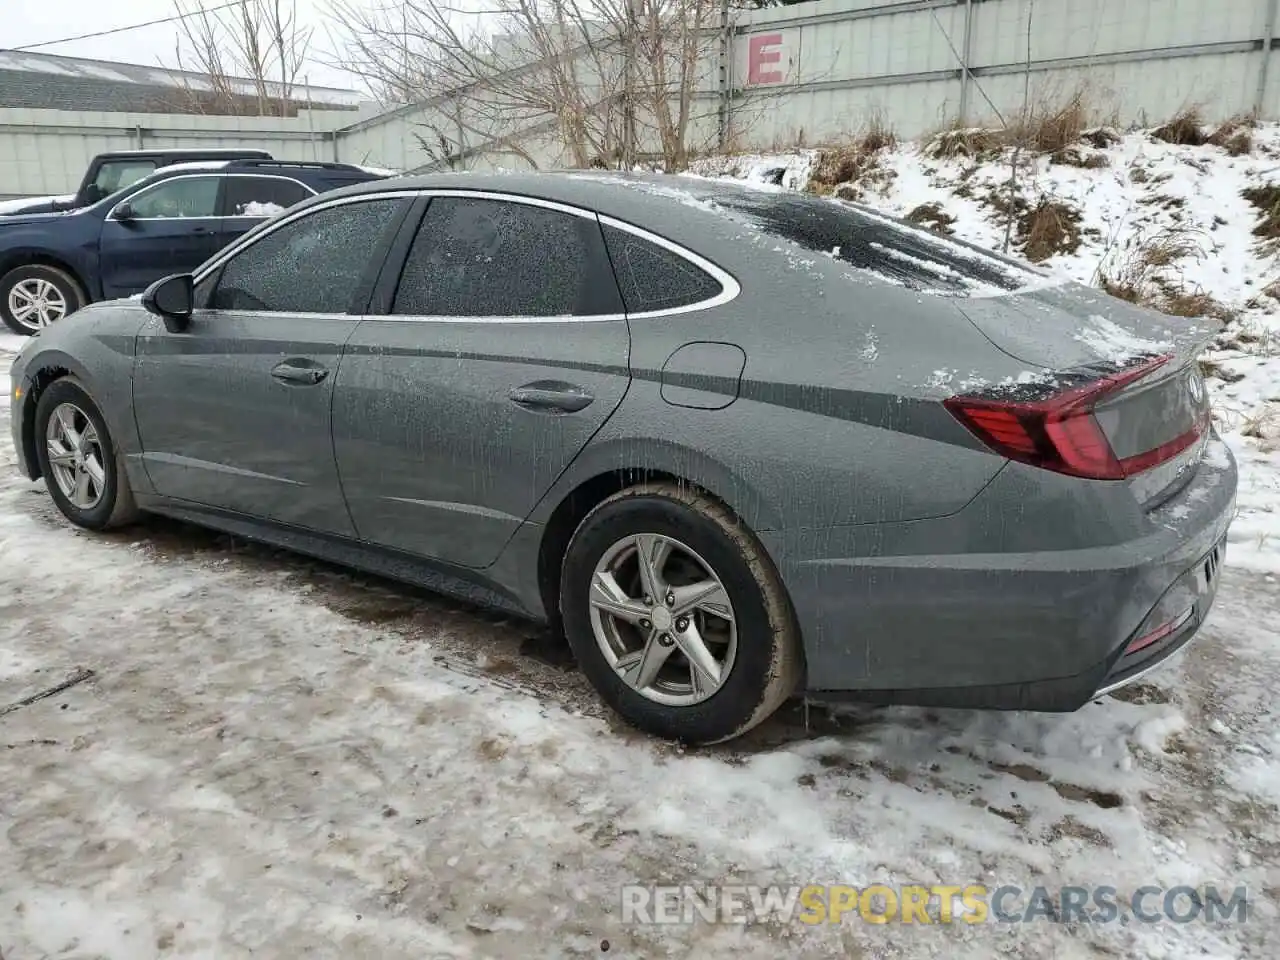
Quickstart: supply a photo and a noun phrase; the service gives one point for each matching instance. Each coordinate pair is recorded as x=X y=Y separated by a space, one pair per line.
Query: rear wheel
x=35 y=295
x=79 y=462
x=677 y=616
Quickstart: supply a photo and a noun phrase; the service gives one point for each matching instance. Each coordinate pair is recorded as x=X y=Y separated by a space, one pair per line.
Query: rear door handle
x=551 y=395
x=302 y=372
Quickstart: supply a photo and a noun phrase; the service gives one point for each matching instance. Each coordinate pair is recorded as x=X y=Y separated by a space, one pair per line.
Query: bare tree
x=615 y=79
x=249 y=56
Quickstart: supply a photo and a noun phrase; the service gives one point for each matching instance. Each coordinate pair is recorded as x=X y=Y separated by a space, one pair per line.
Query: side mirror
x=123 y=212
x=171 y=299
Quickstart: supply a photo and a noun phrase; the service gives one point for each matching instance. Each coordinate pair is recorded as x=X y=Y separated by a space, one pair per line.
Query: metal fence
x=806 y=73
x=45 y=152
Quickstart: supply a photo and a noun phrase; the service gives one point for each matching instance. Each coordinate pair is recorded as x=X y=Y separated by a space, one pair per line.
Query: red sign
x=764 y=50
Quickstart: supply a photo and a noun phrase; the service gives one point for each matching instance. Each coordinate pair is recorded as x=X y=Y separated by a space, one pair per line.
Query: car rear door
x=248 y=199
x=173 y=229
x=486 y=364
x=234 y=412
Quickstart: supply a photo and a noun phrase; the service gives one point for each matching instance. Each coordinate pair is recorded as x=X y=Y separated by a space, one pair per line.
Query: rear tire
x=34 y=295
x=747 y=625
x=81 y=465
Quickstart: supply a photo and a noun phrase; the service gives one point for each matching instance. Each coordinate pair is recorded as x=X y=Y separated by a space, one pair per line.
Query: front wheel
x=677 y=615
x=81 y=466
x=35 y=295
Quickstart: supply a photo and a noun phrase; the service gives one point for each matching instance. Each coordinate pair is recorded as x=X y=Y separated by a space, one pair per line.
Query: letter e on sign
x=762 y=53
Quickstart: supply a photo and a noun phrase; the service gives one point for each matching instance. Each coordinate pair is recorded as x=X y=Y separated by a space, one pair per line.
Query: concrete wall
x=804 y=73
x=46 y=151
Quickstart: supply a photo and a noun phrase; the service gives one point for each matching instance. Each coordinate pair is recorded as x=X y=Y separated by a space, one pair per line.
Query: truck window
x=115 y=175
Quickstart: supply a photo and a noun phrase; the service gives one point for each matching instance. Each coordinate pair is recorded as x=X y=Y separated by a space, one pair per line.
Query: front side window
x=311 y=265
x=496 y=258
x=261 y=196
x=181 y=197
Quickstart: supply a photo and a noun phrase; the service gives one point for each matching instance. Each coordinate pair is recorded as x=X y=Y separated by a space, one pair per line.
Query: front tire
x=81 y=466
x=35 y=295
x=677 y=615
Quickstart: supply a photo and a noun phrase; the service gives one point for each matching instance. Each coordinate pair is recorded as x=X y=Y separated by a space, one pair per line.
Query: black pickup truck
x=109 y=172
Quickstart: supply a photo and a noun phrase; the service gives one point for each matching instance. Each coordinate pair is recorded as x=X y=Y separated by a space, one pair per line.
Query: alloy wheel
x=663 y=619
x=75 y=456
x=36 y=302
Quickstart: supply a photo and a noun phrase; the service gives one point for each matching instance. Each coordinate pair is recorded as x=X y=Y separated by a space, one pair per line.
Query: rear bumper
x=898 y=619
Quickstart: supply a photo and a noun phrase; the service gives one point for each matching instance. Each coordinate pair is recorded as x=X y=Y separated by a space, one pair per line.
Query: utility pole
x=723 y=120
x=629 y=89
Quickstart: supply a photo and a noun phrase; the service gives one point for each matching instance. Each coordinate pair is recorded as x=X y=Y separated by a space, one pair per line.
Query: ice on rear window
x=870 y=243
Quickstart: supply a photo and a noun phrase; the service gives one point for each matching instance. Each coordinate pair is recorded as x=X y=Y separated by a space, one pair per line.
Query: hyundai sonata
x=738 y=444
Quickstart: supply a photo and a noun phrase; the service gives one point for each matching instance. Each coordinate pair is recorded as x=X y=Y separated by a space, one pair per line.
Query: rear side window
x=261 y=196
x=314 y=264
x=652 y=277
x=495 y=258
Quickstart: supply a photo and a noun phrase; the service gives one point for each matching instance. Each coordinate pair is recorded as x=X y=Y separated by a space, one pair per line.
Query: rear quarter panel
x=836 y=419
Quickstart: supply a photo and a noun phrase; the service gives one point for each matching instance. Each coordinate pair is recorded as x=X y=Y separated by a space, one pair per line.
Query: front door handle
x=551 y=395
x=299 y=372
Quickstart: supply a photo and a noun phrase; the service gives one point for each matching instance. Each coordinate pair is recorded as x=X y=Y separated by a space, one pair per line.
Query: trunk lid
x=1157 y=425
x=1071 y=325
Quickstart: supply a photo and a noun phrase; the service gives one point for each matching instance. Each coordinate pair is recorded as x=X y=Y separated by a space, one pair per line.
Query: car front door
x=166 y=227
x=248 y=199
x=234 y=412
x=502 y=350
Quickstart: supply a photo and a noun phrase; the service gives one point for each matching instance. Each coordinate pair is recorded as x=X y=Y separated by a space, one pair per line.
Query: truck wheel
x=35 y=295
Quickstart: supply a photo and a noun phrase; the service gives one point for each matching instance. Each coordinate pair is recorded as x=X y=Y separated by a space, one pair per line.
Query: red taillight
x=1159 y=633
x=1060 y=432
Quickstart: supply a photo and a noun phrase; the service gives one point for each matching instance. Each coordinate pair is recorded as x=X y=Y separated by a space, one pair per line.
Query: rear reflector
x=1159 y=633
x=1059 y=432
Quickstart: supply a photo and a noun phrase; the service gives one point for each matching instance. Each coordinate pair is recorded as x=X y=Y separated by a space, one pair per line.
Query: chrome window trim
x=246 y=241
x=194 y=175
x=729 y=286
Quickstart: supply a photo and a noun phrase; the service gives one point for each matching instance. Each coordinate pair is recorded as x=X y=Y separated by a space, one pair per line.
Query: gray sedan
x=737 y=444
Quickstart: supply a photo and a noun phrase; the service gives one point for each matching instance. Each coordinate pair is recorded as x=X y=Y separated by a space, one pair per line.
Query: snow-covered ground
x=274 y=759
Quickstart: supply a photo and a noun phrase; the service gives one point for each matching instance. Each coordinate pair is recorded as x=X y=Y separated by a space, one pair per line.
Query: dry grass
x=1192 y=303
x=877 y=136
x=932 y=215
x=1264 y=425
x=1185 y=129
x=1051 y=129
x=850 y=169
x=1100 y=137
x=1144 y=272
x=1048 y=228
x=973 y=143
x=1235 y=136
x=1266 y=200
x=1073 y=156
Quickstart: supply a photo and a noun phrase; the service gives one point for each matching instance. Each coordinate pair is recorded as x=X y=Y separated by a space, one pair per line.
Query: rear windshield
x=891 y=249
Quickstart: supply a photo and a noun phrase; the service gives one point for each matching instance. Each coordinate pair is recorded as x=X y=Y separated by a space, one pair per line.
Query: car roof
x=210 y=152
x=301 y=170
